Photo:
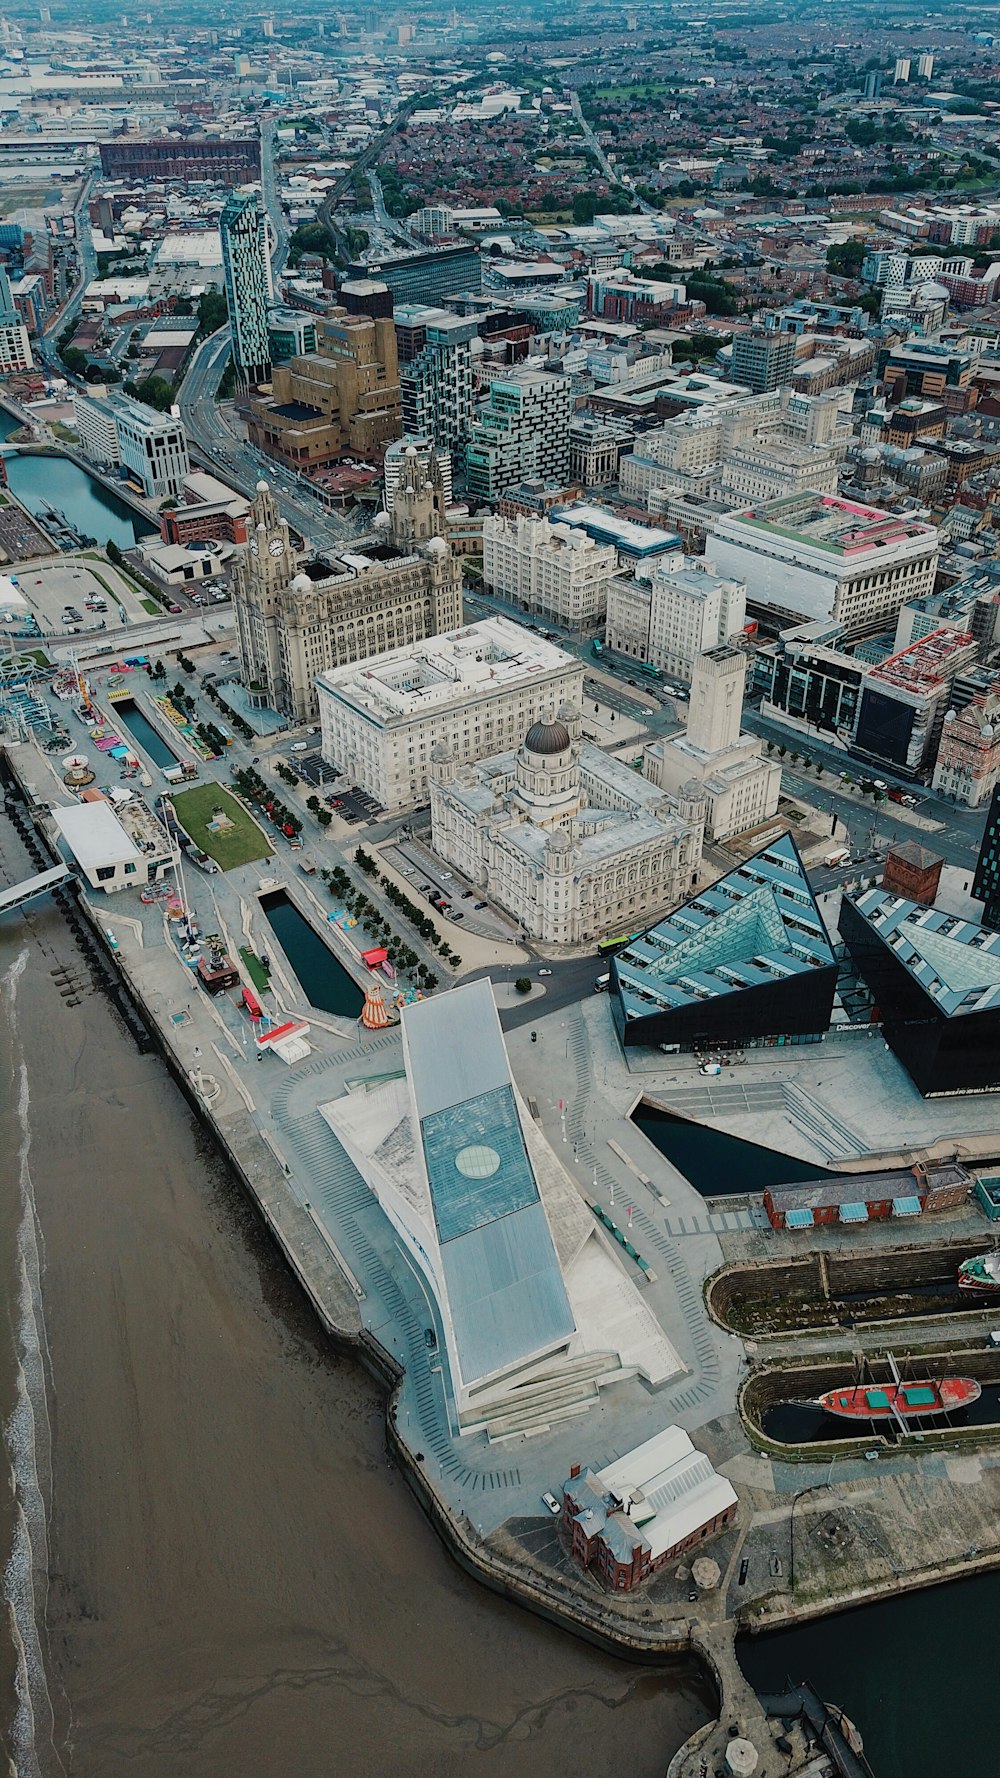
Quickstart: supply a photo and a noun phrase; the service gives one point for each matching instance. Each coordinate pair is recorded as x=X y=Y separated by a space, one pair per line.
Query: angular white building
x=552 y=569
x=152 y=446
x=533 y=1313
x=475 y=690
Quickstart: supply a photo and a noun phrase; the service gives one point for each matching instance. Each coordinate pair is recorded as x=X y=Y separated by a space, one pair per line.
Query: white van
x=602 y=982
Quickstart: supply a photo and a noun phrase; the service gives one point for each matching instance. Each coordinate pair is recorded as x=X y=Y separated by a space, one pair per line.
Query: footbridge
x=21 y=893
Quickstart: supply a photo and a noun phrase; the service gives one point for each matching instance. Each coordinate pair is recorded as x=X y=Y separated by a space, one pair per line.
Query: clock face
x=276 y=547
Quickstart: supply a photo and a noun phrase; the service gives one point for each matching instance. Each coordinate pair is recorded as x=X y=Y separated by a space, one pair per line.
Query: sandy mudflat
x=241 y=1586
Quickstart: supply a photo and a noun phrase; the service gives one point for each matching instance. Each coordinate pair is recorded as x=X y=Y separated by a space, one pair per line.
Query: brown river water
x=210 y=1567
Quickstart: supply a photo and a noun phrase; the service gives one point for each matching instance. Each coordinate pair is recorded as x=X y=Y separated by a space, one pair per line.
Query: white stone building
x=553 y=569
x=682 y=609
x=570 y=841
x=814 y=556
x=739 y=786
x=475 y=690
x=152 y=446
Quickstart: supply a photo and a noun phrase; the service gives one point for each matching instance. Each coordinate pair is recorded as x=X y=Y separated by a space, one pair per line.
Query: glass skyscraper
x=247 y=268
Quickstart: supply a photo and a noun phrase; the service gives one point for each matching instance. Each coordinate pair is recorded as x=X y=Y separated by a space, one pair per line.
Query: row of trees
x=400 y=954
x=411 y=910
x=251 y=785
x=866 y=786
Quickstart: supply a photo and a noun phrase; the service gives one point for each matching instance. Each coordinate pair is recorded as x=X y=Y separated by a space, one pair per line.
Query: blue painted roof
x=757 y=924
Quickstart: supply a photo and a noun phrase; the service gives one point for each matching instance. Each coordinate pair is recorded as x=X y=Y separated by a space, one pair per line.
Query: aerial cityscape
x=499 y=890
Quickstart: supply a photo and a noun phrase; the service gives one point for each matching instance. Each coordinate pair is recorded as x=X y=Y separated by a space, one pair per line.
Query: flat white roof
x=94 y=835
x=442 y=672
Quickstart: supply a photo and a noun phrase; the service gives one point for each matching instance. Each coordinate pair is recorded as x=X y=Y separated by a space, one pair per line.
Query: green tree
x=523 y=984
x=844 y=257
x=112 y=552
x=156 y=392
x=213 y=311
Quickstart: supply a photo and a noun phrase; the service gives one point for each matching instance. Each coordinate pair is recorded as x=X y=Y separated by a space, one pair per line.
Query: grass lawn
x=151 y=606
x=238 y=844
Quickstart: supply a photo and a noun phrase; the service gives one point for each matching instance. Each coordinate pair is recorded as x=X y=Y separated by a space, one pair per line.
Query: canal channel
x=127 y=712
x=42 y=480
x=718 y=1165
x=325 y=982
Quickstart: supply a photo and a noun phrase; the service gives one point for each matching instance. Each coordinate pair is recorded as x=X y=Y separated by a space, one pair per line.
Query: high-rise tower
x=247 y=269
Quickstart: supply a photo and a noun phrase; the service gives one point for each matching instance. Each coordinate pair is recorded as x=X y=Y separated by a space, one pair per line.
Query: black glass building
x=935 y=982
x=747 y=961
x=986 y=882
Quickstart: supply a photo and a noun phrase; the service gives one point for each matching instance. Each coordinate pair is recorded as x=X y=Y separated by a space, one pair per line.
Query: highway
x=389 y=224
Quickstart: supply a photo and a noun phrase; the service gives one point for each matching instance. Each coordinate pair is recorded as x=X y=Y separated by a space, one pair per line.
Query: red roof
x=374 y=958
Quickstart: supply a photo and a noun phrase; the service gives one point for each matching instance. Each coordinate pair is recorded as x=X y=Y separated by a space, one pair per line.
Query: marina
x=48 y=483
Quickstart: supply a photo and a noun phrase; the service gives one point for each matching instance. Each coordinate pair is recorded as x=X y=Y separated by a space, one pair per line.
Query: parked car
x=552 y=1503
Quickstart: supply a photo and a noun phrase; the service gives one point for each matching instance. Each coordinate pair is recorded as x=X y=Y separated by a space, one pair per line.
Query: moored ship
x=911 y=1401
x=982 y=1272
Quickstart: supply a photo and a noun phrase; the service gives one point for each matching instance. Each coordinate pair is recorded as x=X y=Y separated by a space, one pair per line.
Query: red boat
x=913 y=1401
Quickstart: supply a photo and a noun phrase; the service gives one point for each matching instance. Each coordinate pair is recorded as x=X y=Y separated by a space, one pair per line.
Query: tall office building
x=763 y=359
x=15 y=350
x=986 y=881
x=435 y=373
x=522 y=433
x=152 y=446
x=246 y=267
x=901 y=72
x=925 y=66
x=873 y=85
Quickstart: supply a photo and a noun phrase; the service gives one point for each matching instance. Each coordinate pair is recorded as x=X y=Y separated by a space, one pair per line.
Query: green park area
x=232 y=838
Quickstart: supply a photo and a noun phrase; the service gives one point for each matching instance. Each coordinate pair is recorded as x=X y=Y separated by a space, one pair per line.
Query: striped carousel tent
x=373 y=1014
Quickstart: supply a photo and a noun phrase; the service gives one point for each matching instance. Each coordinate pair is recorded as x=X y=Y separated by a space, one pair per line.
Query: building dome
x=262 y=486
x=302 y=584
x=547 y=736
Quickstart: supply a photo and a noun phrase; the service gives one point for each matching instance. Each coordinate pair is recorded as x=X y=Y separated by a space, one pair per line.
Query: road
x=389 y=224
x=240 y=464
x=272 y=203
x=613 y=177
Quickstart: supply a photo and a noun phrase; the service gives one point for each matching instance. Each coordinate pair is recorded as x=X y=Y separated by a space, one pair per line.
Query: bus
x=598 y=647
x=606 y=947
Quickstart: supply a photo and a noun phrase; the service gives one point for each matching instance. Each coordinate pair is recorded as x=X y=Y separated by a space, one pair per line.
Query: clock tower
x=262 y=573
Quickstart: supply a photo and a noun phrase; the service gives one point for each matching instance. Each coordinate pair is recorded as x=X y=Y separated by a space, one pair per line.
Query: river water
x=210 y=1566
x=86 y=503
